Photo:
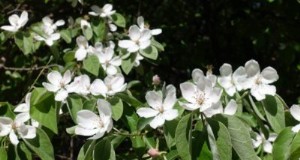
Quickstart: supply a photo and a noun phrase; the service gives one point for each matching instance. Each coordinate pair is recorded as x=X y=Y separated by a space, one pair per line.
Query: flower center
x=258 y=81
x=161 y=109
x=200 y=97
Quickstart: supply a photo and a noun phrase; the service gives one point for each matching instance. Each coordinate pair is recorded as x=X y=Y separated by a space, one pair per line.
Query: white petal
x=268 y=147
x=226 y=70
x=230 y=91
x=157 y=121
x=170 y=100
x=104 y=107
x=214 y=109
x=214 y=95
x=10 y=28
x=98 y=87
x=79 y=130
x=170 y=114
x=188 y=90
x=134 y=33
x=144 y=44
x=268 y=89
x=23 y=19
x=145 y=36
x=60 y=23
x=67 y=77
x=295 y=112
x=96 y=9
x=22 y=108
x=140 y=22
x=27 y=131
x=116 y=61
x=80 y=54
x=111 y=70
x=147 y=112
x=22 y=117
x=272 y=137
x=239 y=78
x=189 y=106
x=252 y=68
x=87 y=119
x=230 y=108
x=156 y=31
x=97 y=135
x=126 y=43
x=61 y=95
x=13 y=138
x=54 y=78
x=13 y=19
x=133 y=48
x=296 y=128
x=256 y=92
x=154 y=99
x=269 y=75
x=5 y=126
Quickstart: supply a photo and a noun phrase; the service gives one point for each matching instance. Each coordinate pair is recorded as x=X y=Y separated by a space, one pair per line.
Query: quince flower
x=142 y=26
x=295 y=112
x=217 y=108
x=108 y=61
x=161 y=109
x=138 y=40
x=11 y=127
x=16 y=22
x=83 y=48
x=58 y=84
x=259 y=82
x=111 y=85
x=25 y=107
x=201 y=95
x=90 y=124
x=198 y=74
x=80 y=85
x=106 y=11
x=232 y=82
x=260 y=139
x=49 y=27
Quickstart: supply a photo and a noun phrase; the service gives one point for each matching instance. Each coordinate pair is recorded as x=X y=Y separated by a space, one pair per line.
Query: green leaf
x=43 y=108
x=182 y=137
x=172 y=155
x=169 y=132
x=295 y=147
x=132 y=101
x=240 y=137
x=6 y=110
x=99 y=28
x=282 y=144
x=74 y=105
x=256 y=110
x=23 y=151
x=66 y=35
x=3 y=154
x=117 y=108
x=200 y=148
x=150 y=52
x=119 y=20
x=88 y=33
x=41 y=145
x=117 y=140
x=91 y=64
x=86 y=151
x=128 y=63
x=220 y=140
x=90 y=104
x=104 y=150
x=24 y=42
x=143 y=122
x=158 y=46
x=274 y=109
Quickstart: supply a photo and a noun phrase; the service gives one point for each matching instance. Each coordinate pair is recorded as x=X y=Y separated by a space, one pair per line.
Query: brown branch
x=33 y=68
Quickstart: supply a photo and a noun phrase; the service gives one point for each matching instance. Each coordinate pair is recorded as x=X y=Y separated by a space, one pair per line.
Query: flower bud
x=153 y=152
x=156 y=80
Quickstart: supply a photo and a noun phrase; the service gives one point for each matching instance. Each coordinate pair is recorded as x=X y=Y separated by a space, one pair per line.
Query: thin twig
x=33 y=68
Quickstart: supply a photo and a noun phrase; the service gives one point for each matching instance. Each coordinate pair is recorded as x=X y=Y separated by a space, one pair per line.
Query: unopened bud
x=153 y=152
x=155 y=80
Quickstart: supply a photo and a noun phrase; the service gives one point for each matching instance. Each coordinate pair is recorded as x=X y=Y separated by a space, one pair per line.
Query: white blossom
x=200 y=95
x=295 y=112
x=49 y=27
x=84 y=24
x=83 y=48
x=90 y=124
x=217 y=108
x=260 y=139
x=198 y=74
x=259 y=82
x=232 y=82
x=16 y=128
x=16 y=22
x=111 y=85
x=80 y=85
x=58 y=84
x=138 y=39
x=108 y=61
x=161 y=108
x=25 y=107
x=105 y=11
x=48 y=38
x=142 y=26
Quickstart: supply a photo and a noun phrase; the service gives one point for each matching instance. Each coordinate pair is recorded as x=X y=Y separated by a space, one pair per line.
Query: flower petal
x=154 y=99
x=126 y=43
x=268 y=147
x=13 y=138
x=147 y=112
x=269 y=75
x=296 y=128
x=61 y=95
x=295 y=112
x=134 y=33
x=157 y=121
x=87 y=119
x=104 y=107
x=188 y=90
x=80 y=54
x=230 y=108
x=54 y=78
x=252 y=68
x=225 y=70
x=170 y=114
